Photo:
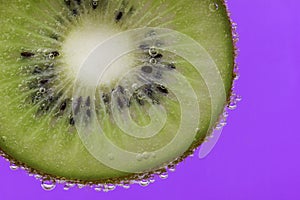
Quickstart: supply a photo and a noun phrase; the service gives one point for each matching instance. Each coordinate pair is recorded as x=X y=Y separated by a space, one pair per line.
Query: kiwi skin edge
x=147 y=175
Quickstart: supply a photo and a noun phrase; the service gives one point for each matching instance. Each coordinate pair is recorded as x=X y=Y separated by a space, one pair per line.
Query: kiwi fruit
x=104 y=92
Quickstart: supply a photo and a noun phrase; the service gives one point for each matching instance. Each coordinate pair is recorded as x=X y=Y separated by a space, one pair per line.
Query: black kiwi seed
x=105 y=98
x=63 y=106
x=139 y=98
x=88 y=112
x=121 y=89
x=55 y=37
x=37 y=70
x=148 y=90
x=119 y=16
x=162 y=89
x=68 y=2
x=120 y=103
x=147 y=69
x=158 y=75
x=158 y=56
x=71 y=121
x=26 y=54
x=77 y=105
x=88 y=101
x=75 y=12
x=171 y=66
x=78 y=1
x=44 y=81
x=55 y=53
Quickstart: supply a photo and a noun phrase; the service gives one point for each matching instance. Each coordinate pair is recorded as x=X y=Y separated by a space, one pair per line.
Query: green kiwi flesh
x=37 y=39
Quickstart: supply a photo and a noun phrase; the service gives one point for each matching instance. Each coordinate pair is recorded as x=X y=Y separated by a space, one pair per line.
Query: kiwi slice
x=111 y=91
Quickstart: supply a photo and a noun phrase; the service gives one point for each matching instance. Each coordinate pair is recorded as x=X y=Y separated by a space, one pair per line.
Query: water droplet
x=225 y=114
x=60 y=181
x=37 y=176
x=98 y=187
x=111 y=187
x=213 y=7
x=151 y=180
x=238 y=98
x=172 y=168
x=67 y=186
x=191 y=156
x=108 y=187
x=164 y=175
x=232 y=105
x=126 y=186
x=219 y=127
x=48 y=185
x=144 y=183
x=13 y=166
x=80 y=186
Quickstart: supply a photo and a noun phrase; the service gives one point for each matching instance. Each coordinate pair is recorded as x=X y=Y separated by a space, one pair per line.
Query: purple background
x=257 y=156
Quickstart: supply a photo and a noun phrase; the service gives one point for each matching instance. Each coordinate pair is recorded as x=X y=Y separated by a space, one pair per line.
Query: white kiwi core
x=82 y=40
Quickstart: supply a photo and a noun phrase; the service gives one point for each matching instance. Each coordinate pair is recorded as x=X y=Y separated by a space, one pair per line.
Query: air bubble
x=172 y=168
x=80 y=186
x=164 y=175
x=108 y=187
x=237 y=98
x=153 y=51
x=51 y=56
x=232 y=105
x=98 y=188
x=48 y=185
x=95 y=2
x=37 y=176
x=153 y=61
x=13 y=166
x=144 y=183
x=151 y=180
x=213 y=7
x=126 y=186
x=67 y=186
x=42 y=90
